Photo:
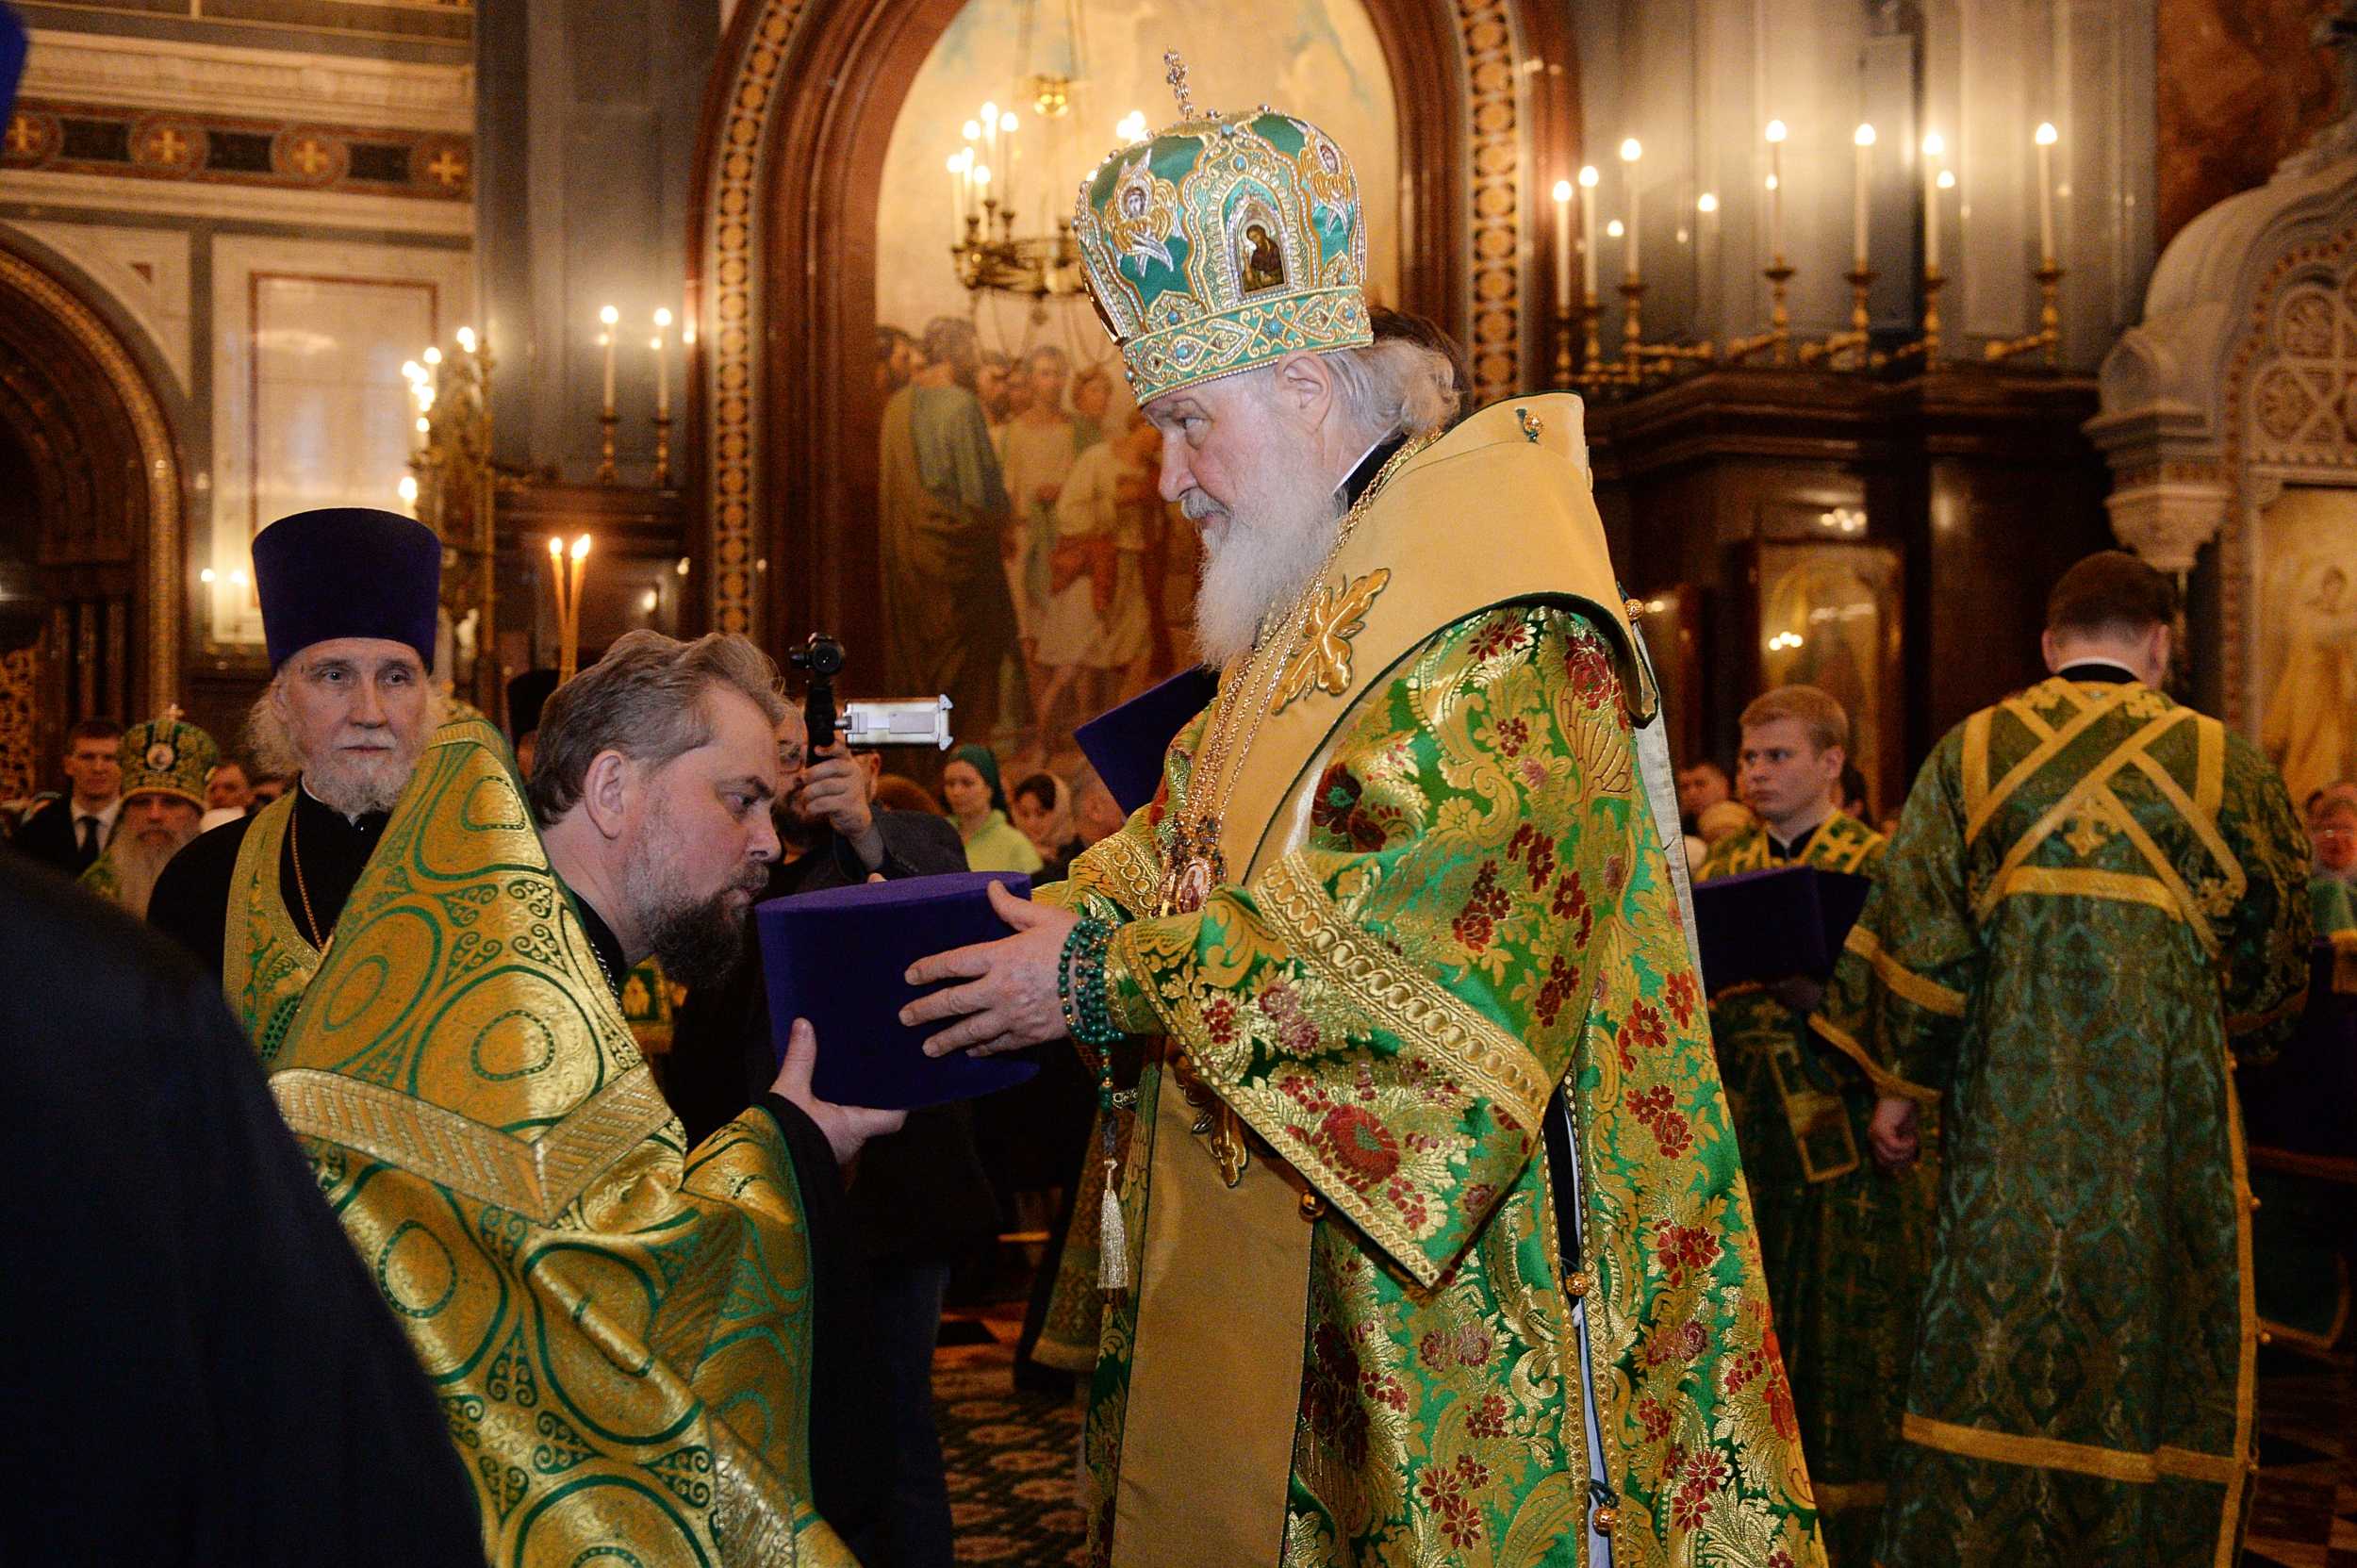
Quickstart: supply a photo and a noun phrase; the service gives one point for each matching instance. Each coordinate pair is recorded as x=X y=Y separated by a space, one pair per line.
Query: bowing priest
x=165 y=763
x=1841 y=1239
x=2095 y=903
x=621 y=1326
x=1431 y=1238
x=348 y=603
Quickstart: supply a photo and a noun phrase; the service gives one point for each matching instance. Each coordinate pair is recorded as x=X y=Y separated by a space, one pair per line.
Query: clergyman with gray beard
x=164 y=765
x=348 y=598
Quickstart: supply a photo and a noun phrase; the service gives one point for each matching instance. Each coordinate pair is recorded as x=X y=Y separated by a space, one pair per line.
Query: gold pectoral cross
x=1323 y=660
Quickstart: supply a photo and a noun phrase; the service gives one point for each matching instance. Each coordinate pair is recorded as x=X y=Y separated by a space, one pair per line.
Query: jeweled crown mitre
x=1223 y=243
x=167 y=756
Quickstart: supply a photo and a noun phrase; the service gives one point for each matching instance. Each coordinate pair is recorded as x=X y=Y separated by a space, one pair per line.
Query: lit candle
x=466 y=339
x=1932 y=147
x=606 y=341
x=662 y=363
x=1588 y=179
x=1776 y=134
x=2046 y=138
x=1631 y=150
x=1010 y=158
x=957 y=199
x=433 y=374
x=556 y=594
x=1865 y=141
x=990 y=132
x=571 y=661
x=1563 y=246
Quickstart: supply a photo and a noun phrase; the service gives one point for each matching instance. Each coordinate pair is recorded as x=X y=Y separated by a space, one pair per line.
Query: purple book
x=1769 y=925
x=836 y=958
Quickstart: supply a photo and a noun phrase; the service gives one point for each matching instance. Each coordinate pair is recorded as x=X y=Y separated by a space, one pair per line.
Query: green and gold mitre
x=1223 y=245
x=167 y=756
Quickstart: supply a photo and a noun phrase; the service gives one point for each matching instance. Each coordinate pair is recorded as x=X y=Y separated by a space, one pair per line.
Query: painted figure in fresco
x=2095 y=904
x=1425 y=1236
x=1040 y=445
x=2311 y=727
x=942 y=513
x=1840 y=1238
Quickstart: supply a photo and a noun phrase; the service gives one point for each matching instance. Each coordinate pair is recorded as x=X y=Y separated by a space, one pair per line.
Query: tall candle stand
x=1776 y=342
x=607 y=422
x=1851 y=347
x=2049 y=335
x=662 y=451
x=1926 y=348
x=1639 y=358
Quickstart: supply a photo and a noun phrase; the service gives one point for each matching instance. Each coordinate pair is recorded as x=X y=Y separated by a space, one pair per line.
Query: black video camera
x=894 y=722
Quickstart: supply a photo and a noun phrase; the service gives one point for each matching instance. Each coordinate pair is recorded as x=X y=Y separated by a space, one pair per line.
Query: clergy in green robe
x=2094 y=904
x=619 y=1327
x=1841 y=1239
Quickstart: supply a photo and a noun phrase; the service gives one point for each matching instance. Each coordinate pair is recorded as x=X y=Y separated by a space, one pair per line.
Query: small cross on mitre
x=171 y=713
x=1177 y=76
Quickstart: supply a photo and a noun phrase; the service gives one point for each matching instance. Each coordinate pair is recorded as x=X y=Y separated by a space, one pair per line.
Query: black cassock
x=201 y=1370
x=191 y=898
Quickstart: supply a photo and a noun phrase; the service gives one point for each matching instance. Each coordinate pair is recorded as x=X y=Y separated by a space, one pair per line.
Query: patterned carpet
x=1010 y=1456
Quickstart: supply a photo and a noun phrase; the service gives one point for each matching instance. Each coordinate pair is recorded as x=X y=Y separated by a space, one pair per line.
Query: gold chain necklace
x=303 y=890
x=1246 y=690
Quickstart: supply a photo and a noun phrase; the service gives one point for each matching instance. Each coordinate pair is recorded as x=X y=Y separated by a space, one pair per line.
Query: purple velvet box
x=1767 y=925
x=836 y=958
x=1126 y=743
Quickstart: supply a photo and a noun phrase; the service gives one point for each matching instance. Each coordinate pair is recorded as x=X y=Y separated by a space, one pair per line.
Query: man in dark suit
x=919 y=1199
x=70 y=832
x=201 y=1348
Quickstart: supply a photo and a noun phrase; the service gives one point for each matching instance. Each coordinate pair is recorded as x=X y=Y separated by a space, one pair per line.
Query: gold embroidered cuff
x=1128 y=989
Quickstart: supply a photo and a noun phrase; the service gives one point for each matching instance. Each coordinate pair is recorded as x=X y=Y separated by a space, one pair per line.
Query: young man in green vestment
x=1840 y=1238
x=2095 y=903
x=1429 y=1239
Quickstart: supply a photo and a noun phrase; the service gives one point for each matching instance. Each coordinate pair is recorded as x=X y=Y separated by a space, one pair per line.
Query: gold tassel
x=1112 y=1241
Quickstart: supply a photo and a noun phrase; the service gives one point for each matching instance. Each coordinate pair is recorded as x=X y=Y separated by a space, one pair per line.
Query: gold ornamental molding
x=729 y=309
x=158 y=460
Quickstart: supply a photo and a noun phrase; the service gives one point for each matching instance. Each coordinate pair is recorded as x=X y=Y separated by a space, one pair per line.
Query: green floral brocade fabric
x=2095 y=900
x=1479 y=913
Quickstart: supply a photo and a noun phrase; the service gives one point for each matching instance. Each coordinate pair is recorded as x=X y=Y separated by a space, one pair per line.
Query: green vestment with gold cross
x=1444 y=896
x=1843 y=1240
x=2095 y=902
x=619 y=1327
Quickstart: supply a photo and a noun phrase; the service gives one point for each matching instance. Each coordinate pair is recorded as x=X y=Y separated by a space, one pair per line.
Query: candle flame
x=1562 y=192
x=408 y=489
x=1631 y=150
x=580 y=548
x=1865 y=137
x=1947 y=180
x=557 y=548
x=2047 y=136
x=981 y=174
x=954 y=165
x=1614 y=228
x=1706 y=202
x=655 y=342
x=1774 y=184
x=466 y=339
x=412 y=371
x=990 y=114
x=1776 y=131
x=434 y=355
x=609 y=315
x=1006 y=121
x=1933 y=145
x=1587 y=175
x=971 y=130
x=662 y=316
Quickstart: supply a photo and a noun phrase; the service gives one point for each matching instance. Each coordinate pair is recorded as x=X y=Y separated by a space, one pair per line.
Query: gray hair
x=1394 y=387
x=270 y=743
x=646 y=700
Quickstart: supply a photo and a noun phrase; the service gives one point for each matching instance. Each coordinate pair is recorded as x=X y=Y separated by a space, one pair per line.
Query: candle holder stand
x=1776 y=342
x=2049 y=335
x=1925 y=348
x=1639 y=358
x=663 y=452
x=1849 y=349
x=605 y=447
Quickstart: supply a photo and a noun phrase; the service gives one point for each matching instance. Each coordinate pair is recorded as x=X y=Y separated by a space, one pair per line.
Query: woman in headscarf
x=1043 y=810
x=977 y=804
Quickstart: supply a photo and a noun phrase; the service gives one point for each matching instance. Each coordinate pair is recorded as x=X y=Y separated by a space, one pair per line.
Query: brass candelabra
x=1925 y=348
x=1776 y=342
x=2049 y=335
x=1850 y=350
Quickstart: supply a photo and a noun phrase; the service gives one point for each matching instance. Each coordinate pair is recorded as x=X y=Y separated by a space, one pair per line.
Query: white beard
x=138 y=864
x=1272 y=549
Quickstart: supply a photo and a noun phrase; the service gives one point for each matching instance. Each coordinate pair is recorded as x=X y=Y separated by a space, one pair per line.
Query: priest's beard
x=352 y=783
x=1271 y=547
x=139 y=857
x=696 y=935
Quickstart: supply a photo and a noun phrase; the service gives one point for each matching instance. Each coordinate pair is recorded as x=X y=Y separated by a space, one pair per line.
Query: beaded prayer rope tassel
x=1088 y=1014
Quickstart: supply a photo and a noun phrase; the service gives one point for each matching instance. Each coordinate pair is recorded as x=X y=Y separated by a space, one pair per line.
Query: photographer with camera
x=919 y=1198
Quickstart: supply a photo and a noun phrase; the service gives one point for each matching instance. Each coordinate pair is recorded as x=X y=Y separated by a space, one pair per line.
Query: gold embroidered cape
x=1352 y=1340
x=618 y=1327
x=2096 y=897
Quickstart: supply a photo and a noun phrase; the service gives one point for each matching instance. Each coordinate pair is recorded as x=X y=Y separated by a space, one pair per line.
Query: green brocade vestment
x=1460 y=906
x=1843 y=1240
x=618 y=1329
x=2094 y=897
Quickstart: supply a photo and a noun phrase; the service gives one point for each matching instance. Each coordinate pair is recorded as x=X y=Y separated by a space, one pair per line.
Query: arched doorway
x=91 y=515
x=797 y=124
